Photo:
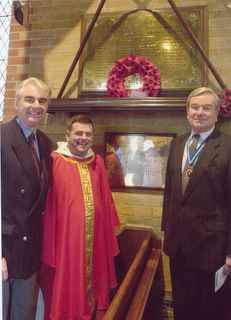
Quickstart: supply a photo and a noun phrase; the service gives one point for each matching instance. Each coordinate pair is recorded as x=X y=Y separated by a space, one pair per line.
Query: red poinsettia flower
x=225 y=110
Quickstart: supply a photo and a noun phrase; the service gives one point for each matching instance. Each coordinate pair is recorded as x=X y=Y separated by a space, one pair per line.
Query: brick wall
x=47 y=51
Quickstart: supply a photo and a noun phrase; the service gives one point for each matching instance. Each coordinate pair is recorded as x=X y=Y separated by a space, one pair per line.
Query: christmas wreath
x=129 y=66
x=225 y=110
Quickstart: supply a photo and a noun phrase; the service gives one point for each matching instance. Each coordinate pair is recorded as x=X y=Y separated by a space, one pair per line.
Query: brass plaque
x=157 y=36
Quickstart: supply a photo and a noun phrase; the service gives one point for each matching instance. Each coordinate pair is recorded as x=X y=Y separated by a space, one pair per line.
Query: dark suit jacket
x=23 y=199
x=199 y=222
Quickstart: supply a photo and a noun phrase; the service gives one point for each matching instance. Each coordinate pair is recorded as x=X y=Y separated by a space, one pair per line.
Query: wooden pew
x=136 y=266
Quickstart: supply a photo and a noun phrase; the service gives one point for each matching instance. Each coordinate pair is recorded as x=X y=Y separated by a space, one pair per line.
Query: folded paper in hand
x=220 y=277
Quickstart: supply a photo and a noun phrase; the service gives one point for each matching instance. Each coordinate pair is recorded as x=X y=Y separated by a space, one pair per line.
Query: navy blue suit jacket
x=199 y=222
x=23 y=199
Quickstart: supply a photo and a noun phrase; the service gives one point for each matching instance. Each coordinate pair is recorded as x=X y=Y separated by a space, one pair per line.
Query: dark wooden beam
x=78 y=54
x=117 y=104
x=197 y=44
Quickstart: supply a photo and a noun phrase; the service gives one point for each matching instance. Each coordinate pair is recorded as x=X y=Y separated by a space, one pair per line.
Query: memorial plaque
x=157 y=36
x=137 y=160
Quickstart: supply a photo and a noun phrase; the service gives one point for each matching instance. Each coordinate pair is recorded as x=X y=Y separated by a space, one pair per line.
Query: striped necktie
x=31 y=140
x=187 y=172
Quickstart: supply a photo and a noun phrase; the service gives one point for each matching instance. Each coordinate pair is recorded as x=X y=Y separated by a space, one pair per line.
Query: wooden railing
x=136 y=268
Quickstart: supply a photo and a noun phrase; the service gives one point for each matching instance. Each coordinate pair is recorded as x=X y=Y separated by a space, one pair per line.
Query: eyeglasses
x=31 y=100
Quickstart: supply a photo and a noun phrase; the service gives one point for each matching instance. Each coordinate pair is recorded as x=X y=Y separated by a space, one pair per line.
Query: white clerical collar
x=63 y=149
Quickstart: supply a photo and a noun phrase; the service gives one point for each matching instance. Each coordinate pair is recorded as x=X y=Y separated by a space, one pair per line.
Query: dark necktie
x=31 y=140
x=189 y=167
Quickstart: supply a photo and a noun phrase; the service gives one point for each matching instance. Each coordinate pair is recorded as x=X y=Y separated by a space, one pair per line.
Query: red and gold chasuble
x=79 y=242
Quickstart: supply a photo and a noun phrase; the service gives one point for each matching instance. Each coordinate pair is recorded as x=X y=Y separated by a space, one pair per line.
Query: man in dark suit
x=197 y=213
x=25 y=170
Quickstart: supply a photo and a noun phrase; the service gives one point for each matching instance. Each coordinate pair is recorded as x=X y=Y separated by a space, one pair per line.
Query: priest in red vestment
x=79 y=242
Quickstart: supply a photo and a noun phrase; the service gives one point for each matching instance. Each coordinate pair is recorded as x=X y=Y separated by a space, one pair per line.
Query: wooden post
x=197 y=44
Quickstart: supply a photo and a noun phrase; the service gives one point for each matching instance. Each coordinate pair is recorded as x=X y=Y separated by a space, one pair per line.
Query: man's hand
x=228 y=262
x=4 y=270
